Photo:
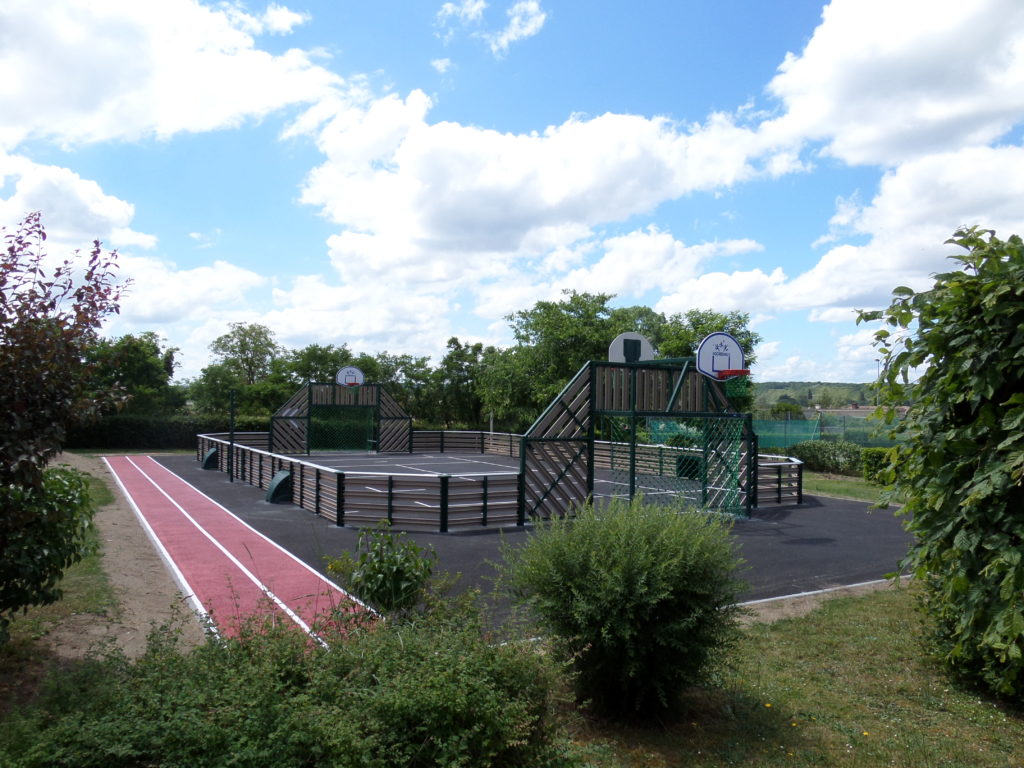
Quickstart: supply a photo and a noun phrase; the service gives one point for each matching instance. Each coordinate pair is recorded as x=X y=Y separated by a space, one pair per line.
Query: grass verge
x=841 y=486
x=845 y=686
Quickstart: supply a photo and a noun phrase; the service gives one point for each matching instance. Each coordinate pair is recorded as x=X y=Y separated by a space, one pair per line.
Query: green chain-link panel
x=699 y=459
x=340 y=428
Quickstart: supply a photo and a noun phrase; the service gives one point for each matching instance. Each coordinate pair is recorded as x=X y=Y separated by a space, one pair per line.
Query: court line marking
x=234 y=560
x=178 y=576
x=265 y=538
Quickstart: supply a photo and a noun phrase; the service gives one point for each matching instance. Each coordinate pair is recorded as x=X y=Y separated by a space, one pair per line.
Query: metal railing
x=779 y=479
x=444 y=502
x=429 y=501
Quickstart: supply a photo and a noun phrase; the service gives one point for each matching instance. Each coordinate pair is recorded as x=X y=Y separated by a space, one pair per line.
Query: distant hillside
x=807 y=394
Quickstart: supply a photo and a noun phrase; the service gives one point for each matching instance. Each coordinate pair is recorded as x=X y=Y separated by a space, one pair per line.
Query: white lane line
x=265 y=538
x=179 y=577
x=234 y=560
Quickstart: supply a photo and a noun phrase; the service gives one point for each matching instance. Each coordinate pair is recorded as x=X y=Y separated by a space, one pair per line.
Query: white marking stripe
x=234 y=560
x=815 y=592
x=265 y=538
x=179 y=577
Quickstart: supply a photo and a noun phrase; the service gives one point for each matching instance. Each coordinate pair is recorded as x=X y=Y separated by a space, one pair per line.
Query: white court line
x=179 y=577
x=815 y=592
x=265 y=538
x=234 y=560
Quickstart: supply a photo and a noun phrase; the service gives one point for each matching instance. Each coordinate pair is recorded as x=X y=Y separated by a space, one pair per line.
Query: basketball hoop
x=733 y=372
x=350 y=376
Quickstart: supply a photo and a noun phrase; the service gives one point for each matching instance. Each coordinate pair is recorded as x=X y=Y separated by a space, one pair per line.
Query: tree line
x=470 y=386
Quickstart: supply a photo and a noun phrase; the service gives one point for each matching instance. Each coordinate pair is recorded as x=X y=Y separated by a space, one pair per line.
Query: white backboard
x=350 y=376
x=719 y=352
x=630 y=347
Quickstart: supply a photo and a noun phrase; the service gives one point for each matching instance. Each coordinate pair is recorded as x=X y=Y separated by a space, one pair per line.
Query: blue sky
x=389 y=174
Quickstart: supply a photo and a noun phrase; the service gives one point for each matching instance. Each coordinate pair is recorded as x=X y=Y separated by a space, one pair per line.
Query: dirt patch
x=146 y=592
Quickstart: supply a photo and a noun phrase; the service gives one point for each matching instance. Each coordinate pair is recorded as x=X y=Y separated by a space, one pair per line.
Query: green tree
x=248 y=349
x=314 y=362
x=405 y=377
x=48 y=321
x=957 y=352
x=504 y=386
x=786 y=410
x=456 y=382
x=559 y=337
x=140 y=365
x=682 y=332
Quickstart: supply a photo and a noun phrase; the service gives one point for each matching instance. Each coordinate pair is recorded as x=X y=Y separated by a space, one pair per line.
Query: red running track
x=228 y=570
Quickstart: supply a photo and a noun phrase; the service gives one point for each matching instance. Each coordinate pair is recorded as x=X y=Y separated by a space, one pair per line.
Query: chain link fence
x=782 y=433
x=698 y=458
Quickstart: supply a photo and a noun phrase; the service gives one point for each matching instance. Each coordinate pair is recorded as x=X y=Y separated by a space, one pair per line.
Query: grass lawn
x=844 y=686
x=842 y=486
x=86 y=587
x=87 y=590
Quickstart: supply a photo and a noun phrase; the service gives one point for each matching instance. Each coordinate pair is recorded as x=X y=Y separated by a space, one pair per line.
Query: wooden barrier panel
x=410 y=501
x=779 y=480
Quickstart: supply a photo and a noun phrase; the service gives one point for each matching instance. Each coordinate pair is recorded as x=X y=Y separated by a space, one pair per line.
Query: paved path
x=820 y=544
x=227 y=568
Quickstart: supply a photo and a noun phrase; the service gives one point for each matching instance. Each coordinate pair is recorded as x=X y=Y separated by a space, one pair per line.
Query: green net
x=340 y=428
x=738 y=386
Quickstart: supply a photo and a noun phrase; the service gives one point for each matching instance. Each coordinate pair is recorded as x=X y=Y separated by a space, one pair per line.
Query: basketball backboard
x=630 y=347
x=350 y=376
x=719 y=352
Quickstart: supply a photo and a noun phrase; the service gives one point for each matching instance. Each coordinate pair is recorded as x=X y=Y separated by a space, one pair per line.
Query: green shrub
x=873 y=462
x=835 y=456
x=390 y=572
x=640 y=598
x=432 y=692
x=52 y=534
x=955 y=351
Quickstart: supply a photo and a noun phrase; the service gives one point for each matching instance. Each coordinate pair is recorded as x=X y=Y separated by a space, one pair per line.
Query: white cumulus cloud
x=75 y=71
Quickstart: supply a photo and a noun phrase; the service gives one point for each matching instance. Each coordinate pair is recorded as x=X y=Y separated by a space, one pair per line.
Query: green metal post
x=632 y=433
x=444 y=503
x=391 y=499
x=309 y=416
x=591 y=436
x=316 y=498
x=483 y=515
x=521 y=494
x=231 y=441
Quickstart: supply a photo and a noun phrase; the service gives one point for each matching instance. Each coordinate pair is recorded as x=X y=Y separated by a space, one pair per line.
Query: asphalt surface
x=822 y=543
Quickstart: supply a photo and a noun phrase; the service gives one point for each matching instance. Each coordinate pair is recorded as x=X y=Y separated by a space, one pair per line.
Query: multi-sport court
x=608 y=484
x=234 y=553
x=246 y=523
x=657 y=429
